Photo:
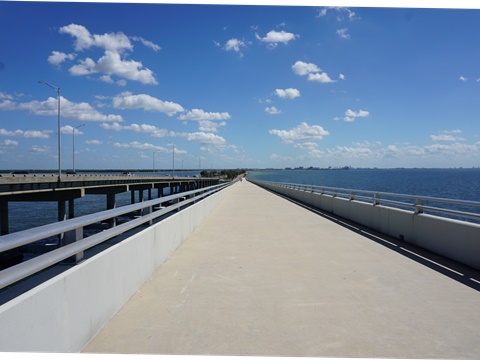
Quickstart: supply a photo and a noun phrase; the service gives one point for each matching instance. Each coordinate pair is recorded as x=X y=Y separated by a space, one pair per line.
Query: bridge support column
x=62 y=210
x=4 y=217
x=71 y=209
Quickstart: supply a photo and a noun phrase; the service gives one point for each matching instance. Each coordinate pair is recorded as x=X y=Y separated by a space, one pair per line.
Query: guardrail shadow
x=464 y=274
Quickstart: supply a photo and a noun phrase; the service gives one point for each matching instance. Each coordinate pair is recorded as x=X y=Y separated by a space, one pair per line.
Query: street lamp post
x=58 y=130
x=154 y=162
x=173 y=154
x=73 y=152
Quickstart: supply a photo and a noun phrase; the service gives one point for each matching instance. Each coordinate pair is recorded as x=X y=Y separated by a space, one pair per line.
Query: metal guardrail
x=420 y=204
x=73 y=231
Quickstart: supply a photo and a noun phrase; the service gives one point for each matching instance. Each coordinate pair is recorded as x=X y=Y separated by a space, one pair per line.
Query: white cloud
x=93 y=142
x=139 y=146
x=58 y=57
x=77 y=111
x=40 y=149
x=313 y=71
x=84 y=40
x=28 y=134
x=5 y=96
x=339 y=11
x=272 y=110
x=351 y=115
x=343 y=33
x=462 y=78
x=206 y=138
x=235 y=45
x=111 y=63
x=210 y=126
x=8 y=144
x=437 y=138
x=153 y=131
x=287 y=93
x=322 y=78
x=127 y=100
x=147 y=43
x=274 y=37
x=68 y=130
x=301 y=132
x=367 y=144
x=199 y=114
x=302 y=68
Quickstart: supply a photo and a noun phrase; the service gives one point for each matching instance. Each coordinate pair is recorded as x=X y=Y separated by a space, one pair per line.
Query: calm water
x=461 y=184
x=26 y=215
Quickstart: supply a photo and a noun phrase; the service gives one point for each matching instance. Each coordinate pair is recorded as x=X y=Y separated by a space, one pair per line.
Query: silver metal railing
x=72 y=229
x=419 y=204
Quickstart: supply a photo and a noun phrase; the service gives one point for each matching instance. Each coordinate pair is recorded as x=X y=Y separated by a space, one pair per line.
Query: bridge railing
x=72 y=232
x=459 y=209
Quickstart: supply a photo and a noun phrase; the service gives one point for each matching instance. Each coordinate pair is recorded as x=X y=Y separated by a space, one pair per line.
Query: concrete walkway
x=265 y=277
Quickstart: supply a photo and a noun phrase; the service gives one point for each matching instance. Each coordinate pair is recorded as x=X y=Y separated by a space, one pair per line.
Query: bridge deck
x=264 y=277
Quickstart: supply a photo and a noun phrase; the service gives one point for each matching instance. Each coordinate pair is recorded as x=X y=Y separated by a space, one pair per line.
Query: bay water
x=462 y=184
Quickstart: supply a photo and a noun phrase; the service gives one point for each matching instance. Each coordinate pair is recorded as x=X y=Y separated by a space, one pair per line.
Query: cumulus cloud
x=8 y=144
x=58 y=57
x=146 y=102
x=199 y=114
x=301 y=132
x=68 y=130
x=206 y=138
x=113 y=62
x=351 y=115
x=28 y=134
x=313 y=71
x=42 y=150
x=153 y=131
x=93 y=142
x=320 y=77
x=273 y=38
x=445 y=137
x=339 y=11
x=210 y=126
x=235 y=45
x=118 y=42
x=140 y=146
x=303 y=68
x=343 y=33
x=462 y=78
x=70 y=110
x=272 y=110
x=287 y=93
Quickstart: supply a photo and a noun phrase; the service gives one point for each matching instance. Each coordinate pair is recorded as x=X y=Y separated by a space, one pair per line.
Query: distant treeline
x=228 y=174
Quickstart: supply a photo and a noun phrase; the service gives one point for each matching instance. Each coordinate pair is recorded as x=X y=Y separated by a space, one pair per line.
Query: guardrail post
x=70 y=237
x=418 y=204
x=352 y=195
x=376 y=199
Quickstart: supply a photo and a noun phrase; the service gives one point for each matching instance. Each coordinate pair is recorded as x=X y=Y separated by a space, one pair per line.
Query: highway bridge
x=251 y=269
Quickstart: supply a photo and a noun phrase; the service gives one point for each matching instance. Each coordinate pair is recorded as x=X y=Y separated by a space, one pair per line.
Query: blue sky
x=235 y=86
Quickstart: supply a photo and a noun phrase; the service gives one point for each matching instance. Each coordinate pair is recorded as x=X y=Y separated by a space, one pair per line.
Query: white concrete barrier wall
x=457 y=240
x=64 y=313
